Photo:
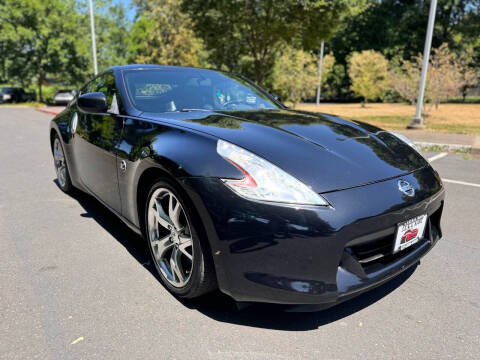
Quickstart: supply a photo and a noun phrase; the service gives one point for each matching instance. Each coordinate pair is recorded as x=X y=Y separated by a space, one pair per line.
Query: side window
x=100 y=84
x=87 y=88
x=106 y=84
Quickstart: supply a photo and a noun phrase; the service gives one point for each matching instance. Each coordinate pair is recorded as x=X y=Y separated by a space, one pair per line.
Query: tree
x=447 y=76
x=163 y=34
x=42 y=37
x=295 y=75
x=246 y=36
x=328 y=75
x=397 y=28
x=111 y=28
x=368 y=72
x=443 y=77
x=5 y=45
x=405 y=79
x=468 y=73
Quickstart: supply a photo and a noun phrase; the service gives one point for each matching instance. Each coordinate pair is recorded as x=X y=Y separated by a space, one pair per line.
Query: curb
x=47 y=111
x=476 y=146
x=461 y=147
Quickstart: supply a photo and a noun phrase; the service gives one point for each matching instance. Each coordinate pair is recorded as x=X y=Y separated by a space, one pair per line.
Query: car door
x=96 y=136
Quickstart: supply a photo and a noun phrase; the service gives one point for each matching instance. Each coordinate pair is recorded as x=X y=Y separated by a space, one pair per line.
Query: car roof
x=152 y=66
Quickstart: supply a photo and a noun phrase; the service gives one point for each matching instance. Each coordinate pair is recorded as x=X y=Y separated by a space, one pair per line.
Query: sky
x=128 y=6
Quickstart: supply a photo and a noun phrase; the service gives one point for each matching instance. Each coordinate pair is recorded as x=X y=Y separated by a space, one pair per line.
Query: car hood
x=323 y=151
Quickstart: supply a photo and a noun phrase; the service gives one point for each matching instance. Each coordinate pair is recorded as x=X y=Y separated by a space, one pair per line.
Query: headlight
x=263 y=180
x=7 y=96
x=405 y=139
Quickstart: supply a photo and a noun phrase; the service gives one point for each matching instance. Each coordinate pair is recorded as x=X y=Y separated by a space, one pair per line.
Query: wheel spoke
x=176 y=265
x=185 y=242
x=160 y=215
x=58 y=151
x=58 y=155
x=174 y=212
x=61 y=175
x=162 y=245
x=175 y=246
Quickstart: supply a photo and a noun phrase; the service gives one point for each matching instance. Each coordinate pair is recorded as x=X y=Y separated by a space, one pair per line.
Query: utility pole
x=417 y=121
x=94 y=46
x=320 y=65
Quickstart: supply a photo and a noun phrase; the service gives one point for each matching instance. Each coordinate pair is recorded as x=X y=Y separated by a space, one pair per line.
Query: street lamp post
x=417 y=121
x=320 y=65
x=94 y=46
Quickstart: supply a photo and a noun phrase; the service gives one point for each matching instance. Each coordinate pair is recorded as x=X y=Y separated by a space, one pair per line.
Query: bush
x=368 y=72
x=295 y=75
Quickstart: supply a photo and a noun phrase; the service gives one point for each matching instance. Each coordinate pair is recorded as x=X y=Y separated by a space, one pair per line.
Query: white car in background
x=63 y=97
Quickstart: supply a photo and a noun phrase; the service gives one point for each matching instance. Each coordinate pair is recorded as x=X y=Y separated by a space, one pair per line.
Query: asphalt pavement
x=76 y=283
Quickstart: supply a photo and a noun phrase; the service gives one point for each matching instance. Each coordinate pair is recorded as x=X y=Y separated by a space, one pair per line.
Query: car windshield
x=6 y=90
x=165 y=90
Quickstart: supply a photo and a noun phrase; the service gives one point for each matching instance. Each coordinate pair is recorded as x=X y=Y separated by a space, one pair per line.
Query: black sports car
x=233 y=190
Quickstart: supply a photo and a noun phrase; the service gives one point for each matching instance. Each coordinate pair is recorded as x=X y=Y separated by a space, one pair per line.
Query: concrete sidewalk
x=419 y=137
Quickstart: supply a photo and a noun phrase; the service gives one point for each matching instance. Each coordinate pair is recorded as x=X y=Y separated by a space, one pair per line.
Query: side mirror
x=93 y=103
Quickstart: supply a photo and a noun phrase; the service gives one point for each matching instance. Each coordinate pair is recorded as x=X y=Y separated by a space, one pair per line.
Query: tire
x=181 y=257
x=60 y=163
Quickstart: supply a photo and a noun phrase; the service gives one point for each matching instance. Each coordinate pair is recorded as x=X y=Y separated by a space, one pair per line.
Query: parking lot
x=75 y=282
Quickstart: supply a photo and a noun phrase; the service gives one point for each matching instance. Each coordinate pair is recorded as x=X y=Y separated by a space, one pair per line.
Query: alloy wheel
x=60 y=165
x=170 y=237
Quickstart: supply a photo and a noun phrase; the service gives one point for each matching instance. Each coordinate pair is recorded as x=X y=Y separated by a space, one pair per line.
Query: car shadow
x=221 y=307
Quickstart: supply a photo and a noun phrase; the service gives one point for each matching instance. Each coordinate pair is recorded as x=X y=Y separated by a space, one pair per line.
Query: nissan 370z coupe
x=230 y=189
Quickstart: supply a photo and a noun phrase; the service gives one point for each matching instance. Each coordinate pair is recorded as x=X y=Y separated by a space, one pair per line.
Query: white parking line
x=442 y=155
x=438 y=156
x=460 y=182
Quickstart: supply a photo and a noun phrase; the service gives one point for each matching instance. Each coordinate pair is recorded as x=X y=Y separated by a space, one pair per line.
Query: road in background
x=75 y=283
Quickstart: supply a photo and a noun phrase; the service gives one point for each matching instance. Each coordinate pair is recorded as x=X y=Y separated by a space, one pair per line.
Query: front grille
x=367 y=254
x=373 y=250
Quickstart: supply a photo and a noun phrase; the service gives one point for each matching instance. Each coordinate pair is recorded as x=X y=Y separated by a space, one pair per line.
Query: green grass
x=437 y=148
x=474 y=99
x=434 y=148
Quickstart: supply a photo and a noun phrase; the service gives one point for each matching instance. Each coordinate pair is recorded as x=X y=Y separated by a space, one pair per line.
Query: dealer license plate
x=409 y=232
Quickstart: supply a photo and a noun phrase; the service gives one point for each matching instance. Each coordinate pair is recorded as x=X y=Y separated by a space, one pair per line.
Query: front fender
x=174 y=151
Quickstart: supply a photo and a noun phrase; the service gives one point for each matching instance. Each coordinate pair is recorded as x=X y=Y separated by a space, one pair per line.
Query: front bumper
x=314 y=255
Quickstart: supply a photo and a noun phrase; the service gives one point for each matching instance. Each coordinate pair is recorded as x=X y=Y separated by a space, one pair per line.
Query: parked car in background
x=15 y=95
x=63 y=97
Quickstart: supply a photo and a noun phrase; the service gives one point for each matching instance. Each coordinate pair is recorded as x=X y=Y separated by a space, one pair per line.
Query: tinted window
x=160 y=90
x=104 y=83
